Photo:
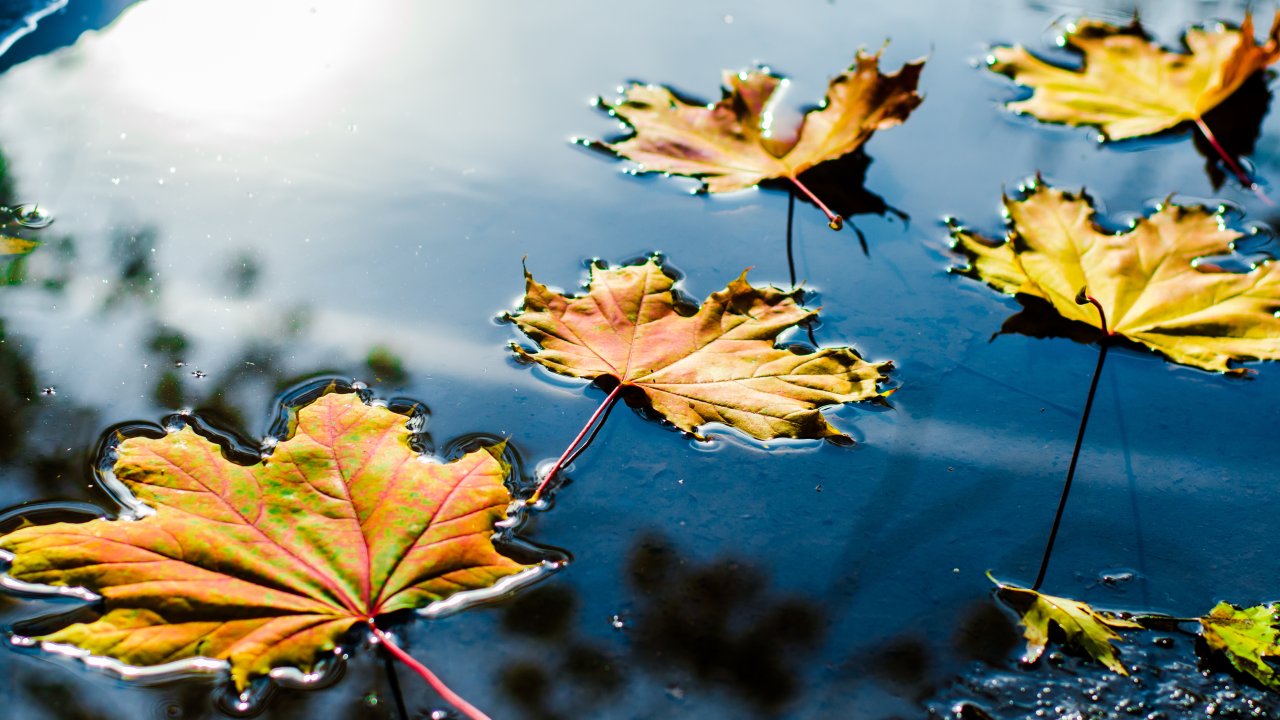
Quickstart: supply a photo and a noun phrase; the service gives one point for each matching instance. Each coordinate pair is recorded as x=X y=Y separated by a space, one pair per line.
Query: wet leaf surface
x=720 y=364
x=734 y=144
x=1148 y=279
x=1248 y=637
x=1088 y=630
x=268 y=565
x=1129 y=86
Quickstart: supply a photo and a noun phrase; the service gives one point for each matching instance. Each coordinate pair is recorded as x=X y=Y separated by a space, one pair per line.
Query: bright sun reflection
x=244 y=62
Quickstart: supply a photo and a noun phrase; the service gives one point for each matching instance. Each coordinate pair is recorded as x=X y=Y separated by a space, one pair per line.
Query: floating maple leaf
x=1249 y=638
x=1128 y=86
x=1091 y=631
x=1147 y=280
x=268 y=565
x=719 y=364
x=733 y=145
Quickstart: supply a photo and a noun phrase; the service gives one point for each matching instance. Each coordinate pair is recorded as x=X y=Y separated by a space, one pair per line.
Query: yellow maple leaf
x=1148 y=280
x=1248 y=637
x=1128 y=86
x=1091 y=631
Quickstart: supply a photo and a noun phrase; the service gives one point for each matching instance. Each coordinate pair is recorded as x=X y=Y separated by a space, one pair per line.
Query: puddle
x=247 y=198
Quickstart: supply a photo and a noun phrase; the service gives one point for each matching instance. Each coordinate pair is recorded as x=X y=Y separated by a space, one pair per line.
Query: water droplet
x=199 y=374
x=115 y=181
x=728 y=19
x=371 y=700
x=440 y=715
x=51 y=390
x=31 y=216
x=674 y=690
x=817 y=488
x=617 y=622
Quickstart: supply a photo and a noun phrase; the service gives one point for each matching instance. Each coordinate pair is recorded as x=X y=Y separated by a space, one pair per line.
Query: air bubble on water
x=51 y=390
x=439 y=714
x=675 y=691
x=115 y=181
x=617 y=622
x=199 y=374
x=371 y=700
x=817 y=488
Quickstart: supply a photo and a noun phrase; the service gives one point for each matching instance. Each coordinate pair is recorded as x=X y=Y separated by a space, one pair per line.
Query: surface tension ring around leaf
x=259 y=567
x=720 y=364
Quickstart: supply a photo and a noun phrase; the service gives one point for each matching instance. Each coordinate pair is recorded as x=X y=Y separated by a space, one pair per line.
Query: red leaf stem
x=436 y=683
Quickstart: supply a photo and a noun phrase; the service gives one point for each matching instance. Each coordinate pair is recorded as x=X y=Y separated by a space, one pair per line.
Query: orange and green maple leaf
x=734 y=144
x=268 y=565
x=1149 y=279
x=1128 y=86
x=719 y=365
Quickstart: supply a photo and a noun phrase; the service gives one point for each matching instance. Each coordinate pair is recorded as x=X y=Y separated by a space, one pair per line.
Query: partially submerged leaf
x=17 y=246
x=267 y=565
x=1247 y=637
x=1091 y=631
x=1146 y=278
x=733 y=145
x=719 y=364
x=1128 y=86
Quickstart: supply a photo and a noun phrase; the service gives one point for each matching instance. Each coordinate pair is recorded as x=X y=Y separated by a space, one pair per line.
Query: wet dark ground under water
x=248 y=195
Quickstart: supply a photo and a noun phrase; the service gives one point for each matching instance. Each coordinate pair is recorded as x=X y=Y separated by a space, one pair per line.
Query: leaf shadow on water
x=842 y=185
x=712 y=626
x=1237 y=123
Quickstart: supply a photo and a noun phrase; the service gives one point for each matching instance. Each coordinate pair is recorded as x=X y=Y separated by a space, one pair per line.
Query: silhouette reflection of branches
x=719 y=622
x=570 y=675
x=715 y=622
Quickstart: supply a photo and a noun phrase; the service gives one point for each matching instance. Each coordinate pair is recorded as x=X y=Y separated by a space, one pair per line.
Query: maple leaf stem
x=1075 y=455
x=436 y=683
x=835 y=221
x=1235 y=168
x=564 y=457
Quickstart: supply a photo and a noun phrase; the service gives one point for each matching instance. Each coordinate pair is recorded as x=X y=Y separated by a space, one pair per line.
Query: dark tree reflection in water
x=698 y=628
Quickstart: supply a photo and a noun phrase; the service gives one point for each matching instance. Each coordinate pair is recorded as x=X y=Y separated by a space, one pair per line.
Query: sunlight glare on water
x=261 y=64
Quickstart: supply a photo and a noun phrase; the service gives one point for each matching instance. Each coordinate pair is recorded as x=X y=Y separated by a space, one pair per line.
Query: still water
x=248 y=195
